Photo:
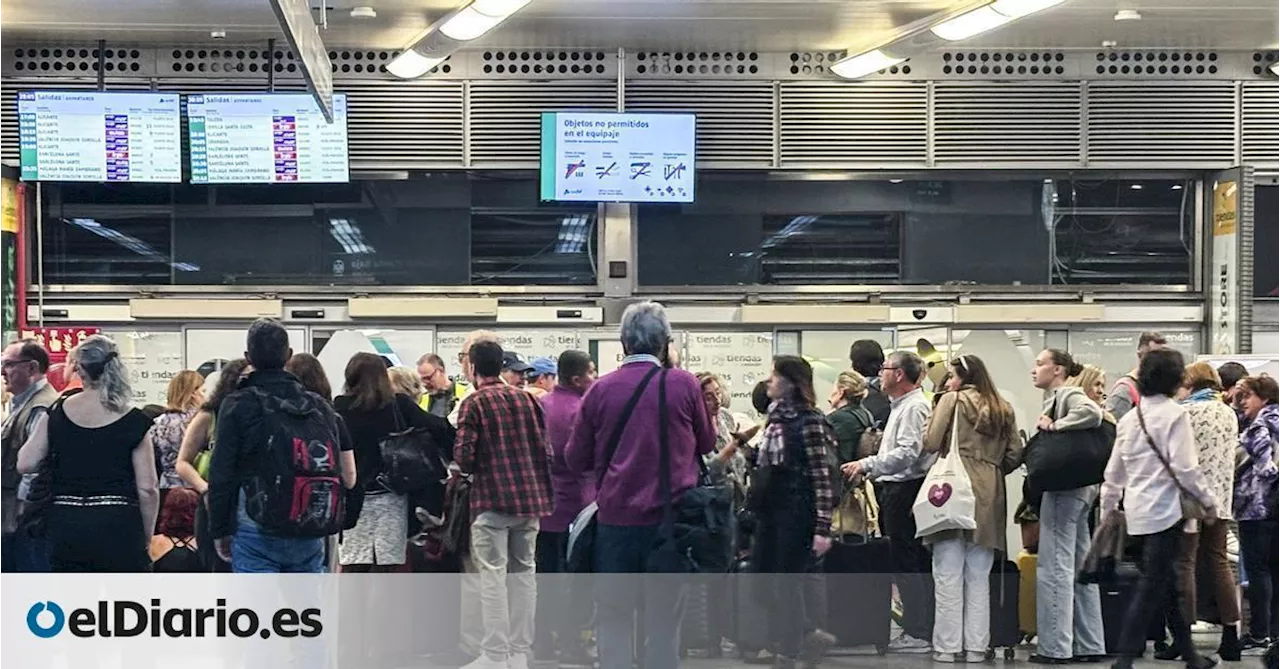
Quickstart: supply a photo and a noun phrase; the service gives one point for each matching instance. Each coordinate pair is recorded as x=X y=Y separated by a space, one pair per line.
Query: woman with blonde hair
x=97 y=453
x=183 y=400
x=849 y=420
x=1093 y=380
x=405 y=381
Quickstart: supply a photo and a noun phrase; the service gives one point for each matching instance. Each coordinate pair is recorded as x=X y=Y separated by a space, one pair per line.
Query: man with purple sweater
x=571 y=491
x=629 y=498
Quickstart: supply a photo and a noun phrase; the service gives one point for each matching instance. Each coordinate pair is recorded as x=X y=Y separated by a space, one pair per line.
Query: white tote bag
x=945 y=501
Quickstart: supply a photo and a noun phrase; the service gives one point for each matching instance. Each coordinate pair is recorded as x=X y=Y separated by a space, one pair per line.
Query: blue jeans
x=621 y=553
x=1068 y=613
x=256 y=552
x=25 y=554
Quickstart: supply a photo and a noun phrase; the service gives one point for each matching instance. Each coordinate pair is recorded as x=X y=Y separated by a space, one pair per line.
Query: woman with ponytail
x=1069 y=614
x=96 y=451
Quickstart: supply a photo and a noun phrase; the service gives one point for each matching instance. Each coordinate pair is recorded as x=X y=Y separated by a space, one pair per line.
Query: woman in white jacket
x=1068 y=614
x=1154 y=463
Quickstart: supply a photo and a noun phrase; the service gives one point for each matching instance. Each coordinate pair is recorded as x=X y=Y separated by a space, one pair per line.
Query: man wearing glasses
x=24 y=365
x=442 y=392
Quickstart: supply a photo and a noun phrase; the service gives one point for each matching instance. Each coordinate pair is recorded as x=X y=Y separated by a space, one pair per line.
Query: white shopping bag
x=945 y=501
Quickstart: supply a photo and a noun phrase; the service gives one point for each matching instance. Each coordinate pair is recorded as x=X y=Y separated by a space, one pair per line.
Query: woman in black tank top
x=101 y=469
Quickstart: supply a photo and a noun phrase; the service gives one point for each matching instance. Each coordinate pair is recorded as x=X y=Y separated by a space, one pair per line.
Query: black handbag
x=411 y=459
x=696 y=535
x=580 y=555
x=1068 y=459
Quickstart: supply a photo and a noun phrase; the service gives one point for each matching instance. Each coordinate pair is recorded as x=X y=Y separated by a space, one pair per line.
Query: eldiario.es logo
x=124 y=618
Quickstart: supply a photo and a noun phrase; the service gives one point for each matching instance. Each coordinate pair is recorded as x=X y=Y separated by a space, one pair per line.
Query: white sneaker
x=517 y=661
x=948 y=658
x=486 y=662
x=975 y=657
x=905 y=643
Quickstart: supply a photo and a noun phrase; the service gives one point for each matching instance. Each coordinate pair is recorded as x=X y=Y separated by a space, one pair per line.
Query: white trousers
x=962 y=596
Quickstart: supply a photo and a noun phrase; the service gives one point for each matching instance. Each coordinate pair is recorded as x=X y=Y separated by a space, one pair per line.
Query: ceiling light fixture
x=1176 y=187
x=1275 y=69
x=855 y=67
x=971 y=23
x=470 y=21
x=1016 y=9
x=1135 y=186
x=1128 y=15
x=363 y=12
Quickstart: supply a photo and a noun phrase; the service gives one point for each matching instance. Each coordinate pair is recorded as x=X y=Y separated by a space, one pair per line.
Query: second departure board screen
x=266 y=138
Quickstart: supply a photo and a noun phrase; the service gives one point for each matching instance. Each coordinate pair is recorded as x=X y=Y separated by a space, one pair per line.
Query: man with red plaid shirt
x=502 y=444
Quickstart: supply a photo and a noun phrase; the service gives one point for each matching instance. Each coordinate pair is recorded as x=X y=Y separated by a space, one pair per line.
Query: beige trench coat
x=986 y=458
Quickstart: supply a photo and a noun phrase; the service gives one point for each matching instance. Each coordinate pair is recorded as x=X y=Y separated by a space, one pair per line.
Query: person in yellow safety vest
x=442 y=393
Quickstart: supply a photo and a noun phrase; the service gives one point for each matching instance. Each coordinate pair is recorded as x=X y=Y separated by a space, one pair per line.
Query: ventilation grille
x=735 y=121
x=9 y=105
x=505 y=118
x=235 y=62
x=1162 y=124
x=1258 y=127
x=693 y=65
x=986 y=64
x=404 y=125
x=856 y=123
x=528 y=64
x=80 y=61
x=985 y=123
x=817 y=63
x=1156 y=64
x=1262 y=62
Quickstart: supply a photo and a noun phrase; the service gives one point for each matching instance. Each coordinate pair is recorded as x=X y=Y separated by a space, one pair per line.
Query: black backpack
x=411 y=460
x=180 y=559
x=296 y=489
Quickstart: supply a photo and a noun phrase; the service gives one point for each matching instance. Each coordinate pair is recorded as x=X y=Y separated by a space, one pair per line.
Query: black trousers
x=912 y=563
x=1157 y=594
x=1259 y=550
x=783 y=549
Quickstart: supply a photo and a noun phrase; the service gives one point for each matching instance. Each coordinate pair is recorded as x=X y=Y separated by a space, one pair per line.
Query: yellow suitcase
x=1027 y=593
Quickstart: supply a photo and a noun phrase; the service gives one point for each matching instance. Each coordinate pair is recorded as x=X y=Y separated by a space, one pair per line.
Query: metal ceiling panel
x=851 y=124
x=503 y=117
x=735 y=120
x=404 y=125
x=1187 y=125
x=1260 y=127
x=978 y=124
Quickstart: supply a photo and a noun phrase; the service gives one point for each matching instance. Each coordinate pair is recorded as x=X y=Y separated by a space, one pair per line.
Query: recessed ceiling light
x=218 y=34
x=1109 y=44
x=1135 y=186
x=895 y=181
x=1128 y=15
x=364 y=12
x=1176 y=187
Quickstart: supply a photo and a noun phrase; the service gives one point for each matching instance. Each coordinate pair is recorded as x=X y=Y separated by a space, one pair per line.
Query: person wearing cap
x=542 y=377
x=514 y=369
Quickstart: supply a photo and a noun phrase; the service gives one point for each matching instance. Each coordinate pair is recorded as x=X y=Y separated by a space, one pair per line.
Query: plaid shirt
x=502 y=442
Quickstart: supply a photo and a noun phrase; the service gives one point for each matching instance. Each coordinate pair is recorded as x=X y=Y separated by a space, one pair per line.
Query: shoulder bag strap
x=629 y=408
x=664 y=455
x=1164 y=460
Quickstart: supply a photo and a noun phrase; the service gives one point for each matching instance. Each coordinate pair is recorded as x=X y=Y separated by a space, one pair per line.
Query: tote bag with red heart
x=945 y=501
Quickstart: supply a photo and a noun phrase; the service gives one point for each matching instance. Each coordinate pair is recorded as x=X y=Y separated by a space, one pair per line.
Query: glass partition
x=1116 y=351
x=828 y=352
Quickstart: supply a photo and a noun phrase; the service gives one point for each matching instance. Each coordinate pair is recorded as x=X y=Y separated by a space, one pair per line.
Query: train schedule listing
x=99 y=136
x=267 y=138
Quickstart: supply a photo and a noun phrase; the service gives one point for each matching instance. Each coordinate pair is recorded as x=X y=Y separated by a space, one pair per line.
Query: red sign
x=59 y=341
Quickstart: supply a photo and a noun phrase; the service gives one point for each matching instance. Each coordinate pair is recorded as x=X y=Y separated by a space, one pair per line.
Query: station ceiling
x=654 y=25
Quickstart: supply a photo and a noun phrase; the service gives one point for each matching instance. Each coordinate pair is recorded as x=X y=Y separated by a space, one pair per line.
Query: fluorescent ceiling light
x=469 y=24
x=1015 y=9
x=971 y=23
x=863 y=64
x=411 y=64
x=1275 y=69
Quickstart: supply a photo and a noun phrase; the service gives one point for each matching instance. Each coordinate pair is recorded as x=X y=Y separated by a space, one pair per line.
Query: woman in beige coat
x=987 y=436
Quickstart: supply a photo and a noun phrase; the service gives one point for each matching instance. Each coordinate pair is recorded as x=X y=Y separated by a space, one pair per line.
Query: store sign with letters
x=1224 y=283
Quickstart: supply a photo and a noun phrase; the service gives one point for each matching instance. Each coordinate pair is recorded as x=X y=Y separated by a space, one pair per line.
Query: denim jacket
x=1255 y=493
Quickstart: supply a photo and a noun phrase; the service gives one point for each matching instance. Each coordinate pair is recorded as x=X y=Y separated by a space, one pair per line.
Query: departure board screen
x=266 y=138
x=98 y=136
x=598 y=157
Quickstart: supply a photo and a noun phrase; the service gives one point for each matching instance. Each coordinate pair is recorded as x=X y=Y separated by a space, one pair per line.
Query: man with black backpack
x=277 y=476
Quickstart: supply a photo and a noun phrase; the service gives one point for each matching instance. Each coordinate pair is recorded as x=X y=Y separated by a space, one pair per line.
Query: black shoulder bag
x=696 y=536
x=582 y=531
x=1067 y=459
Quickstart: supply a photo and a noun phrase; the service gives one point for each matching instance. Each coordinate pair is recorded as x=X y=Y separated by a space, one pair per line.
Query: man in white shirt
x=898 y=471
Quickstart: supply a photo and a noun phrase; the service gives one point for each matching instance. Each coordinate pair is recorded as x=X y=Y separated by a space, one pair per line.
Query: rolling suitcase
x=859 y=575
x=1116 y=596
x=1027 y=593
x=697 y=628
x=1006 y=632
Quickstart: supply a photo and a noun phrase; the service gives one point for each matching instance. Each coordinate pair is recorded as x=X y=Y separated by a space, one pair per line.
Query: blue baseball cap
x=542 y=366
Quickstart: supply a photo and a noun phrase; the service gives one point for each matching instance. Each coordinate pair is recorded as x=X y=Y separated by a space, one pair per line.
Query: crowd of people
x=258 y=475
